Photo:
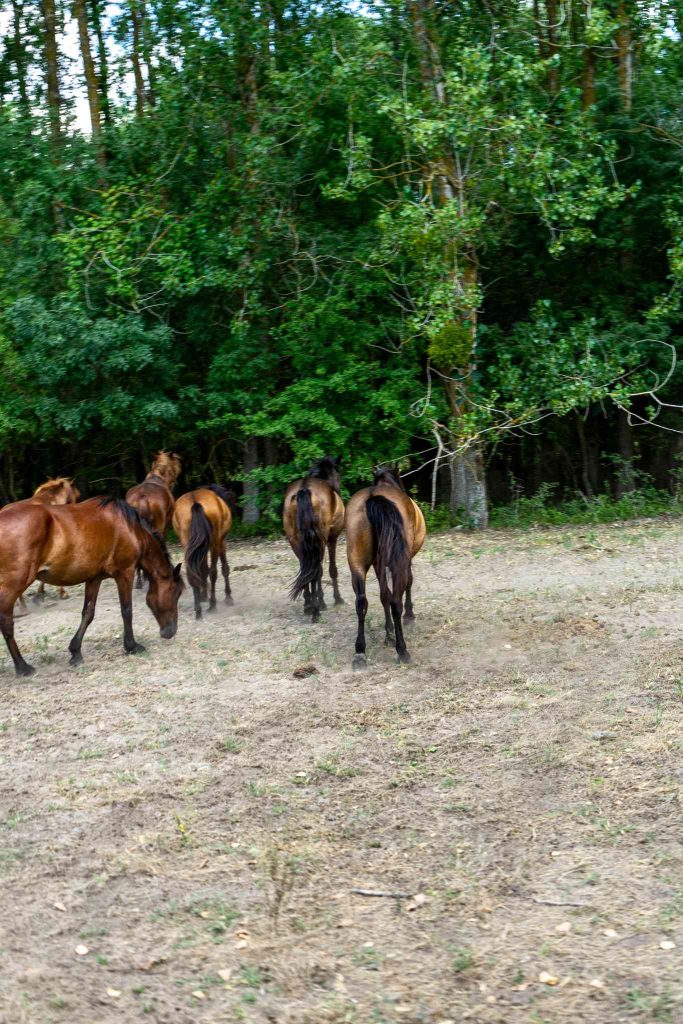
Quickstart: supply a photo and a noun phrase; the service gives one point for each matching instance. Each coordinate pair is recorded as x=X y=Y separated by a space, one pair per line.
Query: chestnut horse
x=64 y=545
x=313 y=518
x=202 y=520
x=386 y=529
x=153 y=498
x=60 y=490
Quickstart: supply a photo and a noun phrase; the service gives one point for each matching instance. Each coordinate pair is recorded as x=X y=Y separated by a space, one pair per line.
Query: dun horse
x=202 y=520
x=153 y=498
x=386 y=529
x=85 y=543
x=313 y=517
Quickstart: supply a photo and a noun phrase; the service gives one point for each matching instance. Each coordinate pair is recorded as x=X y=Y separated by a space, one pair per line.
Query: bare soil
x=181 y=833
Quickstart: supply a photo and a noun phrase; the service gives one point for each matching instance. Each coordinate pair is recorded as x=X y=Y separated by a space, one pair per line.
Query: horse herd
x=57 y=539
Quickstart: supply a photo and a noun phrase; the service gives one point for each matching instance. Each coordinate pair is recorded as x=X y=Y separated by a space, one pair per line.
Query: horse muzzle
x=169 y=631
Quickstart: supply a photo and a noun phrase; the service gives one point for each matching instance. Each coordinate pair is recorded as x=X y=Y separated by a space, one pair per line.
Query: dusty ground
x=195 y=820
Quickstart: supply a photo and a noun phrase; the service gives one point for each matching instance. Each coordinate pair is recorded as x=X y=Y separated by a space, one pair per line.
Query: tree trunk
x=624 y=41
x=588 y=78
x=54 y=99
x=81 y=15
x=590 y=476
x=136 y=22
x=250 y=511
x=468 y=487
x=20 y=59
x=553 y=48
x=147 y=47
x=103 y=76
x=626 y=477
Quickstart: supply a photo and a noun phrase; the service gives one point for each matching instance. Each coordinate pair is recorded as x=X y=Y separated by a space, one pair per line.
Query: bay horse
x=59 y=490
x=202 y=519
x=98 y=539
x=153 y=498
x=385 y=528
x=313 y=518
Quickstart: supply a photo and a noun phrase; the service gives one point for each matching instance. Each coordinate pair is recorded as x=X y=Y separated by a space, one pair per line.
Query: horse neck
x=153 y=559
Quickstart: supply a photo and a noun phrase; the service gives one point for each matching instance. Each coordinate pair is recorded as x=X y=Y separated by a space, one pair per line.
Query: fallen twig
x=558 y=903
x=388 y=895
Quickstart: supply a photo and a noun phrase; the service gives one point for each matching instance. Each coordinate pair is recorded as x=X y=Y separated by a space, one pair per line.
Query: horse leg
x=225 y=569
x=409 y=613
x=321 y=596
x=21 y=667
x=397 y=612
x=334 y=573
x=63 y=596
x=213 y=576
x=308 y=604
x=92 y=589
x=124 y=584
x=23 y=606
x=197 y=594
x=39 y=595
x=359 y=660
x=385 y=598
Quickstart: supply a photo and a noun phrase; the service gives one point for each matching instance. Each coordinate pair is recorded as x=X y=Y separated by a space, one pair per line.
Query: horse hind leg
x=409 y=615
x=21 y=667
x=138 y=578
x=213 y=576
x=334 y=572
x=359 y=659
x=385 y=598
x=396 y=613
x=39 y=595
x=225 y=569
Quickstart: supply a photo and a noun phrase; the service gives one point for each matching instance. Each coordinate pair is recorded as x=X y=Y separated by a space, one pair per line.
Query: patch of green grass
x=230 y=745
x=542 y=509
x=462 y=960
x=658 y=1007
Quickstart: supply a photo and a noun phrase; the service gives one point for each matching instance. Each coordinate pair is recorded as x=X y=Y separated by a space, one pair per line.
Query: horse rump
x=391 y=555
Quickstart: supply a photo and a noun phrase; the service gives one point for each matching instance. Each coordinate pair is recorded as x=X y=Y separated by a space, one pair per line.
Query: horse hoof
x=403 y=658
x=198 y=614
x=389 y=641
x=76 y=659
x=212 y=607
x=228 y=599
x=359 y=662
x=409 y=617
x=308 y=610
x=136 y=649
x=25 y=669
x=339 y=600
x=38 y=598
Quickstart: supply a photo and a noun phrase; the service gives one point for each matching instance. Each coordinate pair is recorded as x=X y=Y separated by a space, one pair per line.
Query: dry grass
x=198 y=818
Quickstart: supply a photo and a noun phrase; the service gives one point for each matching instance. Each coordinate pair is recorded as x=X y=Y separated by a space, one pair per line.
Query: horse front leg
x=21 y=667
x=39 y=595
x=359 y=659
x=92 y=589
x=124 y=584
x=397 y=612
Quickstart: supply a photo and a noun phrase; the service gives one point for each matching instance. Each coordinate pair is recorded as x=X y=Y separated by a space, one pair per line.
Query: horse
x=385 y=528
x=98 y=539
x=202 y=519
x=59 y=490
x=153 y=498
x=313 y=518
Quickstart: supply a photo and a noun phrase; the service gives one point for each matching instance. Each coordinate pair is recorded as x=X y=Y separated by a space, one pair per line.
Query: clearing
x=181 y=833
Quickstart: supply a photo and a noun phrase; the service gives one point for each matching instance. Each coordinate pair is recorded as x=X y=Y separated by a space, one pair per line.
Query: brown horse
x=153 y=498
x=386 y=529
x=60 y=490
x=64 y=545
x=202 y=520
x=313 y=518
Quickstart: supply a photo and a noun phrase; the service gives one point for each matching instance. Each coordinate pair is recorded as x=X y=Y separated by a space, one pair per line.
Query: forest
x=446 y=236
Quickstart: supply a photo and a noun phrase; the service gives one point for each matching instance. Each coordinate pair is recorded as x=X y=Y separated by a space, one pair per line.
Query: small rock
x=548 y=979
x=667 y=944
x=600 y=735
x=81 y=950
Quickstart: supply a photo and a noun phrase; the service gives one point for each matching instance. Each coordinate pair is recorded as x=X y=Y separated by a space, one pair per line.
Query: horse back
x=217 y=512
x=154 y=501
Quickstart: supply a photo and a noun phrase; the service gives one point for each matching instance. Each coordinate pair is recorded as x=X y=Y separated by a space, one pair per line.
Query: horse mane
x=166 y=465
x=387 y=475
x=133 y=518
x=324 y=468
x=224 y=494
x=53 y=484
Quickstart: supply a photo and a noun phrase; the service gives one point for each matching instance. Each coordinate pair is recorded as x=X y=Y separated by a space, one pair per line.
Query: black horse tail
x=311 y=546
x=389 y=541
x=201 y=535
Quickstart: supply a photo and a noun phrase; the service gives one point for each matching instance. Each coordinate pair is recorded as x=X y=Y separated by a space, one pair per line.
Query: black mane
x=324 y=469
x=387 y=475
x=224 y=494
x=133 y=518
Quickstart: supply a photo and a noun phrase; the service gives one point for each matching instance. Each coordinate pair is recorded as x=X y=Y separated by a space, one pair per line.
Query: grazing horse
x=202 y=519
x=386 y=529
x=153 y=498
x=64 y=545
x=313 y=518
x=60 y=490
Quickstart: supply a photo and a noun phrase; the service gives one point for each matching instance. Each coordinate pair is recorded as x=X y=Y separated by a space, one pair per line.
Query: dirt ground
x=182 y=833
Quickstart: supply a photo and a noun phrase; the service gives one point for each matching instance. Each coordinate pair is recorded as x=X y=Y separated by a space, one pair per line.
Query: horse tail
x=389 y=542
x=311 y=545
x=199 y=542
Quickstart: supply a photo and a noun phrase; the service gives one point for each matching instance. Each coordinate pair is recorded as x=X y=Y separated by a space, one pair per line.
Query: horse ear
x=177 y=571
x=338 y=461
